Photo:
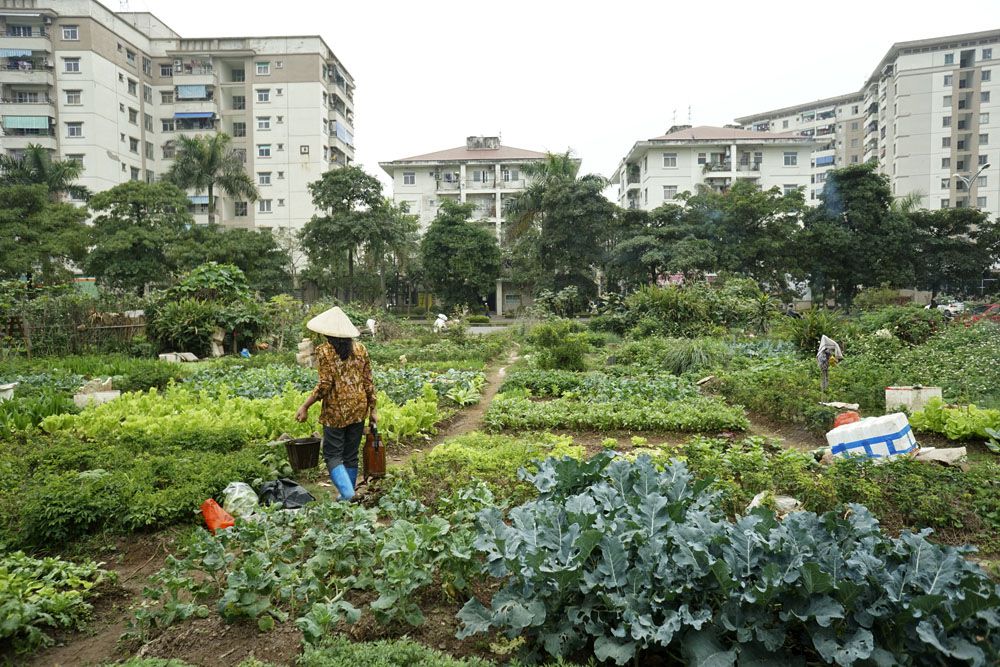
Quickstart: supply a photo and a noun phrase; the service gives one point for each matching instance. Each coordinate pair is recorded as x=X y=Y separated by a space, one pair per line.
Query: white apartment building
x=656 y=170
x=837 y=125
x=930 y=115
x=114 y=90
x=482 y=172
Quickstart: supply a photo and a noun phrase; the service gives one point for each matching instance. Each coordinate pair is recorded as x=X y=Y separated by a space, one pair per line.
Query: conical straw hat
x=334 y=323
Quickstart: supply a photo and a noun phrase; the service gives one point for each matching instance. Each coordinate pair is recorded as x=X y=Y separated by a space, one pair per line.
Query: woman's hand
x=302 y=413
x=373 y=417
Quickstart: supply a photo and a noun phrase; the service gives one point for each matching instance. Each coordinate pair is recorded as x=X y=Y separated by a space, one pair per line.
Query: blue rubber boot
x=342 y=481
x=353 y=474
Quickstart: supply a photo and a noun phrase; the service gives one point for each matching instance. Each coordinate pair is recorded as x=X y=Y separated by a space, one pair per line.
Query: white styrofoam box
x=912 y=399
x=7 y=391
x=95 y=398
x=873 y=437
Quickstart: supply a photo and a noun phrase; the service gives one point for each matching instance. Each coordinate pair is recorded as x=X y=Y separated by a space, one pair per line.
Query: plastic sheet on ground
x=285 y=492
x=240 y=499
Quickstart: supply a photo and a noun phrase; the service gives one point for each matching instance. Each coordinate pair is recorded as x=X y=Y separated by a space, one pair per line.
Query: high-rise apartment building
x=114 y=90
x=657 y=170
x=482 y=172
x=836 y=123
x=929 y=119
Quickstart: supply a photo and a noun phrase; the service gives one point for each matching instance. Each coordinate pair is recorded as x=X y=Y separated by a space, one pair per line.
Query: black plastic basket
x=303 y=453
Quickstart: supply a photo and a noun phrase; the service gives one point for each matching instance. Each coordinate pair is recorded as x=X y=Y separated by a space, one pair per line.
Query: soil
x=133 y=559
x=212 y=641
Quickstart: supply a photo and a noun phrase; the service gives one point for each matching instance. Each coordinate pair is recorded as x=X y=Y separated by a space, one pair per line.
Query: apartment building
x=115 y=90
x=837 y=125
x=655 y=171
x=483 y=172
x=930 y=120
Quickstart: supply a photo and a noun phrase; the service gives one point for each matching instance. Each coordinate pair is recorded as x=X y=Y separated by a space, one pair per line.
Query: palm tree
x=523 y=210
x=36 y=167
x=206 y=163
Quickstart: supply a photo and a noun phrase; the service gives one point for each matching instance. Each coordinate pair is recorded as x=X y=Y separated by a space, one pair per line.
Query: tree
x=954 y=247
x=358 y=222
x=855 y=238
x=38 y=237
x=36 y=167
x=461 y=259
x=255 y=252
x=206 y=163
x=134 y=225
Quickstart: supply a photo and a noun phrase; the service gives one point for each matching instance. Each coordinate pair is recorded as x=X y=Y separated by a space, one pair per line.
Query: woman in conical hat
x=347 y=391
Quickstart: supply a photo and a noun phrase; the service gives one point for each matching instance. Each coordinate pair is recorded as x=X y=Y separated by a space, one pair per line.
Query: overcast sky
x=591 y=76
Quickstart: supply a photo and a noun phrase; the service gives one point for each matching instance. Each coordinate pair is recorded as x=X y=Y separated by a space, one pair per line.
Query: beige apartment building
x=929 y=118
x=114 y=91
x=483 y=172
x=655 y=171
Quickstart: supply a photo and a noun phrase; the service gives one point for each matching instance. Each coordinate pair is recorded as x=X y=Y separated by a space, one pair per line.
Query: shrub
x=674 y=355
x=184 y=325
x=636 y=561
x=478 y=319
x=542 y=382
x=805 y=332
x=913 y=325
x=560 y=346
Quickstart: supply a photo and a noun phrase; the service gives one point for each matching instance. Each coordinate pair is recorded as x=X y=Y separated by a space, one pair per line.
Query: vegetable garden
x=616 y=502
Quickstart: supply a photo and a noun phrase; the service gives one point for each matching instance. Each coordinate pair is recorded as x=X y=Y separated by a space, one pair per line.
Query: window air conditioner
x=178 y=64
x=47 y=20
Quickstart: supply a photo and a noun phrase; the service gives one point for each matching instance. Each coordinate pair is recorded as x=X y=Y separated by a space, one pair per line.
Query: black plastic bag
x=285 y=491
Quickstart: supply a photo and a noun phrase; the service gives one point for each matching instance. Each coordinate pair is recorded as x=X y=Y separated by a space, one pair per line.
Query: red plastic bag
x=848 y=417
x=216 y=517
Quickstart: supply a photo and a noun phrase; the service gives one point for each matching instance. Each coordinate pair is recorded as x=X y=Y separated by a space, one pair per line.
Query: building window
x=263 y=178
x=702 y=158
x=946 y=101
x=239 y=75
x=984 y=119
x=409 y=178
x=71 y=65
x=945 y=142
x=645 y=162
x=74 y=97
x=239 y=102
x=166 y=97
x=855 y=142
x=669 y=191
x=263 y=150
x=133 y=116
x=947 y=79
x=130 y=57
x=166 y=69
x=988 y=54
x=281 y=175
x=279 y=120
x=509 y=174
x=263 y=68
x=984 y=96
x=74 y=129
x=263 y=122
x=790 y=188
x=984 y=139
x=855 y=125
x=986 y=75
x=167 y=124
x=263 y=95
x=147 y=93
x=133 y=87
x=854 y=159
x=149 y=149
x=169 y=149
x=71 y=33
x=981 y=181
x=147 y=122
x=949 y=59
x=135 y=175
x=791 y=159
x=281 y=202
x=982 y=160
x=981 y=202
x=263 y=205
x=945 y=162
x=645 y=195
x=133 y=145
x=670 y=159
x=277 y=91
x=946 y=121
x=784 y=124
x=240 y=209
x=945 y=183
x=239 y=129
x=945 y=203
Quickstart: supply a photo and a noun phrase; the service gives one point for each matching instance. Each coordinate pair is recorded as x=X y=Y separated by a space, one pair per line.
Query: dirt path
x=468 y=419
x=140 y=556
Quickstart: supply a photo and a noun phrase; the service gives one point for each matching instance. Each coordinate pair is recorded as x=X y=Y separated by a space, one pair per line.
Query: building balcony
x=19 y=142
x=748 y=166
x=484 y=213
x=44 y=107
x=515 y=184
x=488 y=184
x=195 y=106
x=33 y=76
x=36 y=42
x=717 y=166
x=195 y=75
x=633 y=204
x=447 y=186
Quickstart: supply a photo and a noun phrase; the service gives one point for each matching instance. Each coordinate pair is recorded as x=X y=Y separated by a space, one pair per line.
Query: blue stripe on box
x=866 y=443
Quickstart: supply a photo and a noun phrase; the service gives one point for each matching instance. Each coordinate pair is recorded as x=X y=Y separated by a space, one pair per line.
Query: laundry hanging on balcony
x=181 y=115
x=14 y=53
x=192 y=92
x=26 y=122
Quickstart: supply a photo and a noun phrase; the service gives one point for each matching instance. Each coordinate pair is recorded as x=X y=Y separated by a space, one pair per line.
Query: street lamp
x=969 y=181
